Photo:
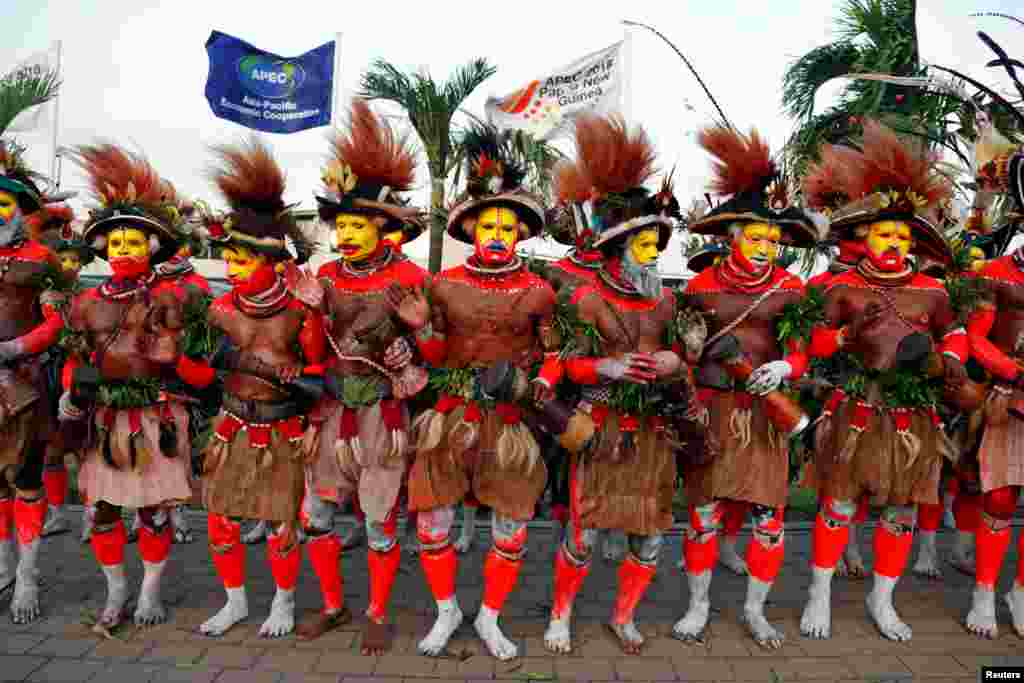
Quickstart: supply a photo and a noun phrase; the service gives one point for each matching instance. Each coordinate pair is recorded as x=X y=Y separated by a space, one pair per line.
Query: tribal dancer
x=743 y=298
x=28 y=327
x=625 y=478
x=56 y=232
x=359 y=439
x=821 y=194
x=355 y=536
x=271 y=349
x=996 y=333
x=566 y=224
x=488 y=311
x=882 y=435
x=126 y=334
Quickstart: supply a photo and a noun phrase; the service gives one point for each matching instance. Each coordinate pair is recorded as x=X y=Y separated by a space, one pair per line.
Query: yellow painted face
x=242 y=263
x=358 y=236
x=644 y=247
x=396 y=237
x=889 y=242
x=8 y=206
x=759 y=244
x=977 y=259
x=497 y=233
x=70 y=261
x=127 y=243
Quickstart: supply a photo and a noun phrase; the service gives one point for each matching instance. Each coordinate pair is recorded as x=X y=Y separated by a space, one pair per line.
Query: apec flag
x=267 y=92
x=547 y=107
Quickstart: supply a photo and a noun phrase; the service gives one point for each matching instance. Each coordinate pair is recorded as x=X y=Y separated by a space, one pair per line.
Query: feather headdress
x=893 y=179
x=743 y=170
x=17 y=178
x=21 y=90
x=253 y=184
x=369 y=167
x=615 y=161
x=130 y=193
x=565 y=222
x=494 y=177
x=55 y=226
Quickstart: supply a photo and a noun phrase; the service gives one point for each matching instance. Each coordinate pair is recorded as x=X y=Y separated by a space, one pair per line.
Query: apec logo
x=271 y=78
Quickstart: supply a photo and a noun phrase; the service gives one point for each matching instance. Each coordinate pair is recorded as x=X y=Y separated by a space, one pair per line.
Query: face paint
x=888 y=244
x=12 y=227
x=977 y=259
x=496 y=235
x=358 y=236
x=128 y=252
x=8 y=207
x=242 y=263
x=757 y=246
x=643 y=275
x=396 y=237
x=70 y=262
x=643 y=247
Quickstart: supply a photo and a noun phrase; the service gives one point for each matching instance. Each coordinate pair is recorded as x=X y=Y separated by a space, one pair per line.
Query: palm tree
x=430 y=107
x=21 y=90
x=874 y=37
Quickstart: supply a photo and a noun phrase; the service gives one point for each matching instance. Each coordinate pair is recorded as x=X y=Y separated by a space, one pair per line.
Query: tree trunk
x=437 y=226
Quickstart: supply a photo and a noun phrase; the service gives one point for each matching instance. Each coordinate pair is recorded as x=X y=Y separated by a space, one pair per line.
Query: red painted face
x=888 y=243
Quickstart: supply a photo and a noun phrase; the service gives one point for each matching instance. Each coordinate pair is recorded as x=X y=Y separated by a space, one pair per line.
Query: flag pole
x=626 y=72
x=338 y=93
x=56 y=119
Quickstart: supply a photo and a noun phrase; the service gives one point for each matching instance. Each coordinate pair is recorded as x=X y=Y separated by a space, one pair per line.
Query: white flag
x=38 y=64
x=547 y=106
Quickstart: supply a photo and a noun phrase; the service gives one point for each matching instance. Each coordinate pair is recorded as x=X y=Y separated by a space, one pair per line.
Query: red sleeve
x=553 y=370
x=67 y=373
x=434 y=350
x=196 y=373
x=45 y=334
x=582 y=370
x=796 y=358
x=312 y=339
x=956 y=343
x=979 y=325
x=825 y=341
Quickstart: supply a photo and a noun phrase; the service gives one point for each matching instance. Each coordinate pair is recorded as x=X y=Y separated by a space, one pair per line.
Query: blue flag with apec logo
x=267 y=92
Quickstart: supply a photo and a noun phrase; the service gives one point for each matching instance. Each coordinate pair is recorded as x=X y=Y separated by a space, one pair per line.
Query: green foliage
x=359 y=391
x=964 y=295
x=453 y=381
x=875 y=37
x=23 y=89
x=199 y=339
x=137 y=392
x=579 y=338
x=430 y=107
x=908 y=388
x=798 y=319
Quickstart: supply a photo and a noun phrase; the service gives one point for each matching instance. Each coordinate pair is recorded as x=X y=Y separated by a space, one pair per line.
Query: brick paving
x=61 y=648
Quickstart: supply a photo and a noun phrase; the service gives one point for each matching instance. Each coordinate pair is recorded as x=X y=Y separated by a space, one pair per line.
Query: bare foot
x=281 y=621
x=1015 y=601
x=449 y=618
x=150 y=609
x=630 y=639
x=691 y=626
x=236 y=610
x=981 y=620
x=558 y=636
x=883 y=613
x=487 y=628
x=322 y=623
x=816 y=621
x=377 y=637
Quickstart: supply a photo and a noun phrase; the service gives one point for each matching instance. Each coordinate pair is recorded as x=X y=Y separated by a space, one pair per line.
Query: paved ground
x=60 y=647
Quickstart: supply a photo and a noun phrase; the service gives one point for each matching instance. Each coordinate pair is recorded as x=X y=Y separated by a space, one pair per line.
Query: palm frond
x=465 y=80
x=21 y=90
x=804 y=76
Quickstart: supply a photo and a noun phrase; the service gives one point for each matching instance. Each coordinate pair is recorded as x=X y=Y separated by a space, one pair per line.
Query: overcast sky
x=135 y=71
